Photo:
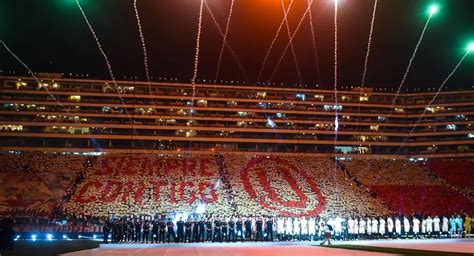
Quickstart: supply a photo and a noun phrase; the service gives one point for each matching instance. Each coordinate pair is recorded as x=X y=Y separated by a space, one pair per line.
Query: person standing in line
x=382 y=228
x=436 y=226
x=460 y=225
x=311 y=228
x=289 y=228
x=106 y=231
x=304 y=228
x=188 y=225
x=280 y=228
x=162 y=224
x=138 y=229
x=154 y=231
x=217 y=231
x=270 y=229
x=452 y=224
x=321 y=225
x=362 y=228
x=171 y=233
x=248 y=229
x=146 y=231
x=416 y=227
x=180 y=229
x=259 y=228
x=445 y=227
x=209 y=230
x=429 y=226
x=202 y=230
x=423 y=226
x=369 y=228
x=467 y=225
x=195 y=237
x=239 y=227
x=406 y=226
x=231 y=230
x=350 y=225
x=390 y=226
x=375 y=228
x=297 y=229
x=356 y=228
x=398 y=227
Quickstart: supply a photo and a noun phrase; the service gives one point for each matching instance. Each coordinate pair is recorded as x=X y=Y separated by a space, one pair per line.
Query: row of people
x=161 y=230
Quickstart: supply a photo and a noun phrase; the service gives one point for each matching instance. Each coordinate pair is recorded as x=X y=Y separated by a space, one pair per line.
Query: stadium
x=95 y=165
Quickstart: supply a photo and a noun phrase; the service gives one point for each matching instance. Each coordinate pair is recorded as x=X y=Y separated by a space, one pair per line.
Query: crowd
x=407 y=187
x=160 y=229
x=292 y=192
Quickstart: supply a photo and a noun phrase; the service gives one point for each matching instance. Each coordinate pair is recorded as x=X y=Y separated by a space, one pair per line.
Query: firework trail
x=196 y=56
x=32 y=74
x=285 y=14
x=227 y=45
x=411 y=61
x=366 y=62
x=142 y=38
x=433 y=99
x=293 y=52
x=313 y=39
x=290 y=41
x=224 y=38
x=336 y=114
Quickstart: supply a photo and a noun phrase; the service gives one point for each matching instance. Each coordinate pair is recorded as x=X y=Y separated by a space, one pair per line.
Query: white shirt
x=445 y=224
x=423 y=226
x=362 y=226
x=382 y=226
x=356 y=226
x=429 y=224
x=350 y=226
x=375 y=224
x=312 y=226
x=296 y=226
x=398 y=226
x=289 y=226
x=416 y=225
x=304 y=226
x=390 y=224
x=369 y=226
x=280 y=225
x=406 y=224
x=436 y=222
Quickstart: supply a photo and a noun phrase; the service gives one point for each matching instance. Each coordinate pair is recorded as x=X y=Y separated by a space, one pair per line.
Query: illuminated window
x=346 y=117
x=374 y=127
x=345 y=98
x=202 y=103
x=364 y=98
x=19 y=84
x=319 y=97
x=262 y=95
x=185 y=133
x=452 y=127
x=399 y=110
x=301 y=96
x=332 y=107
x=75 y=98
x=242 y=114
x=11 y=128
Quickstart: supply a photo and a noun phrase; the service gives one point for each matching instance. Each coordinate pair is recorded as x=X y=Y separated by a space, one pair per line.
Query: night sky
x=51 y=36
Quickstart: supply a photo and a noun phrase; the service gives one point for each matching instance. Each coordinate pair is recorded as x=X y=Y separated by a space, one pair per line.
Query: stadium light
x=64 y=237
x=33 y=237
x=49 y=237
x=94 y=236
x=470 y=47
x=434 y=8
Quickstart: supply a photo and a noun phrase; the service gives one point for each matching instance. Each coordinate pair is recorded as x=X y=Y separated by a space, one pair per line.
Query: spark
x=413 y=56
x=336 y=122
x=107 y=62
x=142 y=38
x=227 y=45
x=285 y=14
x=290 y=41
x=293 y=52
x=434 y=97
x=224 y=38
x=313 y=39
x=30 y=72
x=196 y=56
x=369 y=45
